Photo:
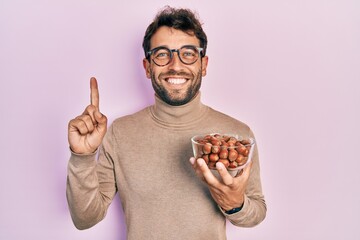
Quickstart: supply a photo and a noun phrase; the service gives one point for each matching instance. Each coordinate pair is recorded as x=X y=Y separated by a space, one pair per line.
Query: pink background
x=290 y=69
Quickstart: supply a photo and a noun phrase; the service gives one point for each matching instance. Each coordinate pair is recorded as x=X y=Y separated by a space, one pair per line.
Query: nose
x=175 y=63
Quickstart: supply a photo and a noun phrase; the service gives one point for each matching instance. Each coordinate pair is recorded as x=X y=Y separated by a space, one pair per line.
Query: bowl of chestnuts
x=232 y=150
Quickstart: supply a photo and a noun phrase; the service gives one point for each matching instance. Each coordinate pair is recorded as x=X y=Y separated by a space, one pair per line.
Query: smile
x=176 y=81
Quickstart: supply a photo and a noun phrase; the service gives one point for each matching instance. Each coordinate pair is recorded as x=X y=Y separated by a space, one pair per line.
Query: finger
x=209 y=177
x=78 y=125
x=94 y=93
x=225 y=175
x=101 y=121
x=197 y=170
x=98 y=119
x=88 y=122
x=90 y=111
x=192 y=161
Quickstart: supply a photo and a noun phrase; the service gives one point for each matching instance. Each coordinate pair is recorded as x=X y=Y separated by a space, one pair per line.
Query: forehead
x=172 y=38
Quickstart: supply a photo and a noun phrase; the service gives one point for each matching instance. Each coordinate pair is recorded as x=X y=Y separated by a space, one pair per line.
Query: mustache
x=175 y=73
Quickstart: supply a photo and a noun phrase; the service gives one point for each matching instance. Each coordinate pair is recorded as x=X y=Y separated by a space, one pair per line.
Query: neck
x=178 y=115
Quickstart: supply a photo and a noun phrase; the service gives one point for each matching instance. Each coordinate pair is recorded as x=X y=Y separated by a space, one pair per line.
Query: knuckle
x=71 y=122
x=81 y=124
x=80 y=117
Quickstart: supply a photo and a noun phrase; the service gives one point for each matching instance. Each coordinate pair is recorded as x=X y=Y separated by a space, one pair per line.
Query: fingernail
x=192 y=160
x=219 y=166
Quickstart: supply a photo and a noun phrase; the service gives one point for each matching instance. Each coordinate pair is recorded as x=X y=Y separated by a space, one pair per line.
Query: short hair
x=179 y=19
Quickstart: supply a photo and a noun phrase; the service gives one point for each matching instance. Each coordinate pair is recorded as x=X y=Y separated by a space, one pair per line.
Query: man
x=144 y=156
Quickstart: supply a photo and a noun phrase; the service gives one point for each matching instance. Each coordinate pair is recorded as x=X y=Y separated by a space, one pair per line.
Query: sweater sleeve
x=253 y=211
x=90 y=186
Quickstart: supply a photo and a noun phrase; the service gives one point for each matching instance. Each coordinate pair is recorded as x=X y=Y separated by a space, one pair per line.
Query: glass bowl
x=232 y=150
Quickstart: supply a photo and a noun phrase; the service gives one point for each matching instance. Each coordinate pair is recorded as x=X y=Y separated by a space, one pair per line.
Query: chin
x=176 y=98
x=176 y=101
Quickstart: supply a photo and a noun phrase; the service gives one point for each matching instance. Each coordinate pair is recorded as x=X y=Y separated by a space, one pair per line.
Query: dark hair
x=180 y=19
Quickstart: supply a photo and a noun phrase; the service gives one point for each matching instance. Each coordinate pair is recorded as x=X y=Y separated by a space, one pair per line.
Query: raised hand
x=85 y=132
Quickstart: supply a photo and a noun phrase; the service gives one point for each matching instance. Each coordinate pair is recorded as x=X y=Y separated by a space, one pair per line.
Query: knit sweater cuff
x=82 y=160
x=236 y=217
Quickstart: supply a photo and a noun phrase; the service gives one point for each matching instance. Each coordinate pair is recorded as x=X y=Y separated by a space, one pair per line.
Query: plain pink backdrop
x=290 y=69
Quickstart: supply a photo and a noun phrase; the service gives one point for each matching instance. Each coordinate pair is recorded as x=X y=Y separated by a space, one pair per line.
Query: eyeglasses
x=187 y=54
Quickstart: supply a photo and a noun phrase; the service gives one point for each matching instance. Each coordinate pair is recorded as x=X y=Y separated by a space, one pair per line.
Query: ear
x=204 y=63
x=146 y=65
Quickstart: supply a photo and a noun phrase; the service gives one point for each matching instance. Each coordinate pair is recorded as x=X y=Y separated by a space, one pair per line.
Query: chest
x=155 y=163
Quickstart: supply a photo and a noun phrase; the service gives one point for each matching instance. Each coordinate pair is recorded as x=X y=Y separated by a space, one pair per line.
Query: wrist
x=234 y=210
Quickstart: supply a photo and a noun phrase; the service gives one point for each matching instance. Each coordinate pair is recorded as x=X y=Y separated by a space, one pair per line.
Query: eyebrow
x=166 y=46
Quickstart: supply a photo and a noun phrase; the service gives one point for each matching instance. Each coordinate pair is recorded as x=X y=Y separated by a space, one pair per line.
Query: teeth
x=176 y=80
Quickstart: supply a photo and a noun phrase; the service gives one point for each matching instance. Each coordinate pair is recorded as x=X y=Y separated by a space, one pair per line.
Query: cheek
x=154 y=75
x=198 y=72
x=150 y=72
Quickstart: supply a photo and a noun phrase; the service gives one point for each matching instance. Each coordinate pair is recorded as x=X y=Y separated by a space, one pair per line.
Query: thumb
x=100 y=119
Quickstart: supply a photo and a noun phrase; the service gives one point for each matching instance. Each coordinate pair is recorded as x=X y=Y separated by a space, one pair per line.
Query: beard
x=175 y=97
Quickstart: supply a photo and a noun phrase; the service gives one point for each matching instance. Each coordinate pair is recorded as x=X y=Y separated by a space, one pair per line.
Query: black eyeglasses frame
x=149 y=53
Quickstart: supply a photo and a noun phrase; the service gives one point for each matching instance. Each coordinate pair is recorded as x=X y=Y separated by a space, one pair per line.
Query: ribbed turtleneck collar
x=171 y=116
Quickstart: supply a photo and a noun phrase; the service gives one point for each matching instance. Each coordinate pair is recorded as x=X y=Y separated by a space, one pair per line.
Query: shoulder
x=225 y=117
x=134 y=118
x=228 y=122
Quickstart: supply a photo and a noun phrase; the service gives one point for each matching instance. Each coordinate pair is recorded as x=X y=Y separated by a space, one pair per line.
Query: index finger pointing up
x=94 y=92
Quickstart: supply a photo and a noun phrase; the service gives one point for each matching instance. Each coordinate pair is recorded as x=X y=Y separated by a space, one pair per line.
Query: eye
x=162 y=53
x=189 y=52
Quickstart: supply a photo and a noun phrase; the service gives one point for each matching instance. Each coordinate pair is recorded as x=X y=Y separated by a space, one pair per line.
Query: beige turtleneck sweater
x=145 y=158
